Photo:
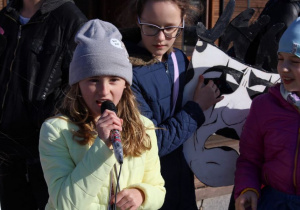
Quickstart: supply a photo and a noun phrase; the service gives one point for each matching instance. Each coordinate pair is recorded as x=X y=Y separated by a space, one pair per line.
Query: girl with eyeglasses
x=159 y=72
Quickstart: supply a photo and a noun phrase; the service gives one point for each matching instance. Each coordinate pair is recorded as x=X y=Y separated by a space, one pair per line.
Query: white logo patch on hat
x=295 y=47
x=116 y=43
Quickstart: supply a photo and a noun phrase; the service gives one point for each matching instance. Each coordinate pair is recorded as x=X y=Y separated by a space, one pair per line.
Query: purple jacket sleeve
x=250 y=161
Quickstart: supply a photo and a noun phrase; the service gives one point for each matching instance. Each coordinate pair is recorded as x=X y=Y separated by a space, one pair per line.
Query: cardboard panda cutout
x=238 y=83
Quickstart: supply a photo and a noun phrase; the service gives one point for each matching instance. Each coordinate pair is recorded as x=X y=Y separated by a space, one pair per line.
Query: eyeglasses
x=152 y=30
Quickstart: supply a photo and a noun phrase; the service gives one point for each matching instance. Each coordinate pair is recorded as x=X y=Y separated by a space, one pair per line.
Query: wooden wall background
x=2 y=4
x=213 y=10
x=104 y=9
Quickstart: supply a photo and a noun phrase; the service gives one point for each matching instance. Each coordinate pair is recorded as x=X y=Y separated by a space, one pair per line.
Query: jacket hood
x=47 y=5
x=275 y=92
x=50 y=5
x=138 y=56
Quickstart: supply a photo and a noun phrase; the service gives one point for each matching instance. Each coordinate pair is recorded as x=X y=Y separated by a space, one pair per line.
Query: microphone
x=115 y=136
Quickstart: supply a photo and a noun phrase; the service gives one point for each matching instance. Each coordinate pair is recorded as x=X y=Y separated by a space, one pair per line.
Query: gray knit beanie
x=99 y=52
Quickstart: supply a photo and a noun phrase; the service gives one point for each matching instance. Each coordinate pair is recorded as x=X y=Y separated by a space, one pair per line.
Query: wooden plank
x=201 y=190
x=198 y=184
x=217 y=141
x=211 y=192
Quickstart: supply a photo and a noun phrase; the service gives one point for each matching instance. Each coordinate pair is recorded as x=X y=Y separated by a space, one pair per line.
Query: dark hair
x=135 y=8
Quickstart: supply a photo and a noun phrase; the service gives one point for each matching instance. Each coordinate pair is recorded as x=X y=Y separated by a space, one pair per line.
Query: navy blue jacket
x=153 y=87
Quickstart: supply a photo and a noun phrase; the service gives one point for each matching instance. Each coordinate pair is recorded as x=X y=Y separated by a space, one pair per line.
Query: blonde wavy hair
x=134 y=137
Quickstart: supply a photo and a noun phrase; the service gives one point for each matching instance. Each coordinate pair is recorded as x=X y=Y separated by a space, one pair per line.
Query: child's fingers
x=240 y=204
x=253 y=204
x=219 y=99
x=200 y=81
x=110 y=117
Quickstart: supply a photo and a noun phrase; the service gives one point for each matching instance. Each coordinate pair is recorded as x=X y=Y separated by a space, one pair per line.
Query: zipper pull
x=167 y=67
x=19 y=32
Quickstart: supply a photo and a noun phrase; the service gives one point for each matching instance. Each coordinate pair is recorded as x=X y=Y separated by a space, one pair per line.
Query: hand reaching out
x=206 y=95
x=129 y=199
x=247 y=199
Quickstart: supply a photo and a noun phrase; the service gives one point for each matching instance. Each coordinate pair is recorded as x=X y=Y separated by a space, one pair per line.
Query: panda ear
x=211 y=35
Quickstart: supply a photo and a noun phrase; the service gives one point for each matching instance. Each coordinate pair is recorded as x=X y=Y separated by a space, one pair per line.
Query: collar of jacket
x=141 y=57
x=47 y=6
x=138 y=56
x=275 y=92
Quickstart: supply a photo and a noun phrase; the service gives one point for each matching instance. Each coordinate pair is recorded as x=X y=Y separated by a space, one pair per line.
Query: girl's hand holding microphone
x=107 y=122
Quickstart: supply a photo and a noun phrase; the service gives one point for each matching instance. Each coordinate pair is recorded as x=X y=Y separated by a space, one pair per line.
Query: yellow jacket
x=78 y=176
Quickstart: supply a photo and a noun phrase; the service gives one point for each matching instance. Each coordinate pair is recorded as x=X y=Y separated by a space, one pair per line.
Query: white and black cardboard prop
x=239 y=84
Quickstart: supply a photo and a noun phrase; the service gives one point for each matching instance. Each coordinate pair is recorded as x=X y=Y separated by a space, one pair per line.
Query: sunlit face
x=289 y=69
x=162 y=14
x=96 y=90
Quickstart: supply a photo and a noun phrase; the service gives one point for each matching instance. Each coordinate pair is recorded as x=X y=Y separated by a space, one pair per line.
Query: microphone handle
x=115 y=138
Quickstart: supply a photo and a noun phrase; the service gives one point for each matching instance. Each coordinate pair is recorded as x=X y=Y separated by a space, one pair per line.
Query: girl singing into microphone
x=79 y=165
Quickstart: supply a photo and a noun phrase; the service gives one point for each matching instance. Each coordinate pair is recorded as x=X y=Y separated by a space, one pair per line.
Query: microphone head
x=108 y=105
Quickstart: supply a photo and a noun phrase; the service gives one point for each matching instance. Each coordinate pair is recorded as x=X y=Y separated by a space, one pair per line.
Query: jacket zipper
x=10 y=69
x=11 y=65
x=113 y=184
x=170 y=79
x=167 y=67
x=168 y=72
x=296 y=163
x=266 y=178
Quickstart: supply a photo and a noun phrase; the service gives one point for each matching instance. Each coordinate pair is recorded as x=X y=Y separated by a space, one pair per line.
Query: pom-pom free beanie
x=99 y=52
x=290 y=39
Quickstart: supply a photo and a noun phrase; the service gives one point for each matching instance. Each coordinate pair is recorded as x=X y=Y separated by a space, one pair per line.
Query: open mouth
x=99 y=102
x=287 y=80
